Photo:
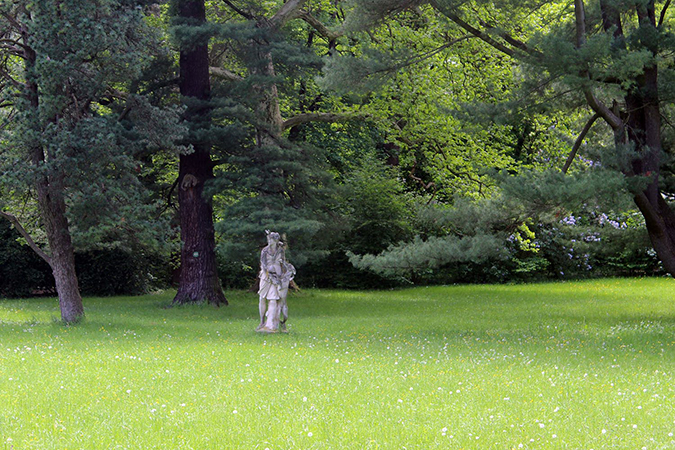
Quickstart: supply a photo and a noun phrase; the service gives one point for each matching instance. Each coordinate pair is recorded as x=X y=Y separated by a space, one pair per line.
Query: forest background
x=392 y=142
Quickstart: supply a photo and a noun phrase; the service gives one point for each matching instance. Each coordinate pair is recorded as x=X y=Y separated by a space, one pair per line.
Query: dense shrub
x=22 y=272
x=100 y=272
x=118 y=272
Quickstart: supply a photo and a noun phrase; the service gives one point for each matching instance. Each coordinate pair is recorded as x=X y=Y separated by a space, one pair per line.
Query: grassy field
x=578 y=365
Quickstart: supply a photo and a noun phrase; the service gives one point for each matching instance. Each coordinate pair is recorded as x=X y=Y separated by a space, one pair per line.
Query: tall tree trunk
x=198 y=280
x=643 y=132
x=641 y=128
x=268 y=110
x=52 y=205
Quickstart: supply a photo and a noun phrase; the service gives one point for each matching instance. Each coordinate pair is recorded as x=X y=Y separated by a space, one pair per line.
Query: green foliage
x=376 y=213
x=467 y=232
x=379 y=214
x=544 y=226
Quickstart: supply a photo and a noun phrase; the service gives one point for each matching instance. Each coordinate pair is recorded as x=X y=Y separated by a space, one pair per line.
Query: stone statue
x=275 y=276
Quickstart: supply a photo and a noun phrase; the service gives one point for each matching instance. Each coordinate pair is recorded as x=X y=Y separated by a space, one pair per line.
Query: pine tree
x=63 y=62
x=267 y=179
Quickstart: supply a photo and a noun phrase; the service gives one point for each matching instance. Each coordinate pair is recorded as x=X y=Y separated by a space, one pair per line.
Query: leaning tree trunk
x=52 y=206
x=198 y=280
x=62 y=258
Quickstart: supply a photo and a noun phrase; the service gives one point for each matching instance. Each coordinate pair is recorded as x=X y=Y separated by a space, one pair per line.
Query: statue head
x=272 y=237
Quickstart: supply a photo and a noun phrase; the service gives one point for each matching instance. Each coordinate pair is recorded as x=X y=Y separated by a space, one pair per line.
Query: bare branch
x=289 y=11
x=12 y=20
x=508 y=38
x=8 y=77
x=663 y=13
x=598 y=106
x=320 y=117
x=421 y=57
x=26 y=236
x=580 y=15
x=224 y=73
x=450 y=14
x=577 y=143
x=239 y=11
x=322 y=29
x=11 y=42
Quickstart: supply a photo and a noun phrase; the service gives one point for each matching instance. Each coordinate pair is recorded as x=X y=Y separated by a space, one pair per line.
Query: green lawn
x=568 y=365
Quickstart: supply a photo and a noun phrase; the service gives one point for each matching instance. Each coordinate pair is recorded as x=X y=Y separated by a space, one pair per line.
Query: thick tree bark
x=199 y=274
x=642 y=130
x=644 y=133
x=62 y=260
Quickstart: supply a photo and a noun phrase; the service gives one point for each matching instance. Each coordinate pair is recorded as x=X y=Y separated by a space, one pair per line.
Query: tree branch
x=447 y=12
x=580 y=15
x=508 y=38
x=315 y=23
x=422 y=57
x=26 y=236
x=8 y=77
x=320 y=117
x=220 y=72
x=239 y=11
x=600 y=108
x=580 y=139
x=12 y=20
x=663 y=13
x=289 y=11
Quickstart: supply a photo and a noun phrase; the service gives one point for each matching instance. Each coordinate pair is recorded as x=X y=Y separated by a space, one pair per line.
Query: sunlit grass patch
x=566 y=365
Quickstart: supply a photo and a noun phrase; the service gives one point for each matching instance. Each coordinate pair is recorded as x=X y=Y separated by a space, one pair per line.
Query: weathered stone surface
x=275 y=276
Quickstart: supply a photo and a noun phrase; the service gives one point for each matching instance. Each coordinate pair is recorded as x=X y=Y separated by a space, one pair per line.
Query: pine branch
x=611 y=18
x=421 y=57
x=580 y=139
x=26 y=236
x=319 y=117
